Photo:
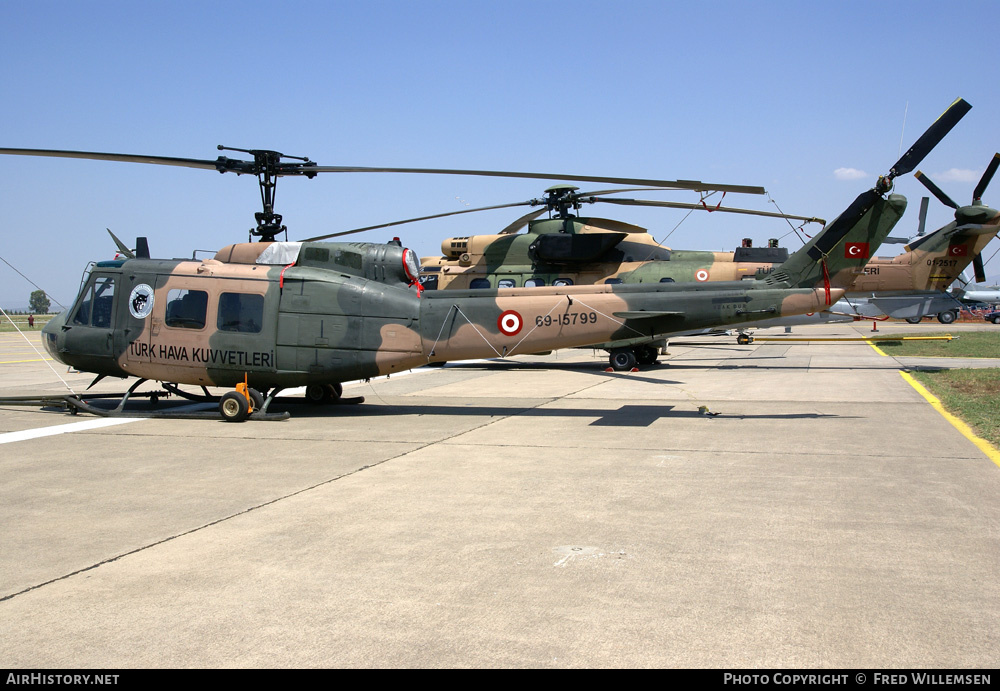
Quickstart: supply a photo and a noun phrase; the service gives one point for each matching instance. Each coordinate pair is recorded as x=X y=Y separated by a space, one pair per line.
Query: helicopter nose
x=50 y=336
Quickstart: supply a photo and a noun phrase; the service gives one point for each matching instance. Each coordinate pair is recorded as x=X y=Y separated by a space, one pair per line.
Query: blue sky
x=776 y=94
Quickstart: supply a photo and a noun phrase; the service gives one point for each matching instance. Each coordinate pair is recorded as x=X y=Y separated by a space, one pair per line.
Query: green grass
x=970 y=394
x=22 y=322
x=972 y=344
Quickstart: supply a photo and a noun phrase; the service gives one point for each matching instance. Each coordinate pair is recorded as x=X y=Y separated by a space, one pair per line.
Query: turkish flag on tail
x=856 y=250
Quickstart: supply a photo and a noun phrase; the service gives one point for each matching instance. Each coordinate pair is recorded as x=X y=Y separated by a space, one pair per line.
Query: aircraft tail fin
x=834 y=256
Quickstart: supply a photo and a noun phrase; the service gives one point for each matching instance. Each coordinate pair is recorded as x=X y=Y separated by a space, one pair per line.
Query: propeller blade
x=929 y=139
x=521 y=222
x=977 y=266
x=127 y=158
x=696 y=185
x=944 y=198
x=985 y=180
x=683 y=205
x=413 y=220
x=923 y=215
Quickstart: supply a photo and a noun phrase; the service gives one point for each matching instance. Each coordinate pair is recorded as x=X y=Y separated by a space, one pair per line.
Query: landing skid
x=89 y=403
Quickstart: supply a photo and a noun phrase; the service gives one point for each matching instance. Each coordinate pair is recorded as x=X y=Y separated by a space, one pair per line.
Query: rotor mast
x=267 y=166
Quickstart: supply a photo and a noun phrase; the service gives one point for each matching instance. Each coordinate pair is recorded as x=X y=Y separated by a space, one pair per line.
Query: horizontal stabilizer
x=646 y=314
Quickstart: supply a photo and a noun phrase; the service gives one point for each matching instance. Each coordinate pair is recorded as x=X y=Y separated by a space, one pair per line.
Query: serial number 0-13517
x=567 y=319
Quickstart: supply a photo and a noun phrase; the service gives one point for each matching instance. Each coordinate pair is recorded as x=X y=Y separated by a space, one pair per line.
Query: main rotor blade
x=984 y=181
x=683 y=205
x=696 y=185
x=945 y=199
x=224 y=164
x=523 y=221
x=929 y=139
x=127 y=158
x=414 y=220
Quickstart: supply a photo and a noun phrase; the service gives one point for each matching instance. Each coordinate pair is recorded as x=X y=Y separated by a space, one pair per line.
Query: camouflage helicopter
x=913 y=284
x=269 y=315
x=566 y=250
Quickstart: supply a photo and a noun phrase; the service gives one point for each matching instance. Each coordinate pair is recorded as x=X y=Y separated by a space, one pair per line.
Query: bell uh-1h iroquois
x=274 y=315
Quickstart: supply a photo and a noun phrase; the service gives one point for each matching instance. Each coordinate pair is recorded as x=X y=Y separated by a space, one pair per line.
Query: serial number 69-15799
x=567 y=319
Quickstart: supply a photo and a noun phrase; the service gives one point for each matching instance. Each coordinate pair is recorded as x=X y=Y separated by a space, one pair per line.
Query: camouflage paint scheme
x=346 y=311
x=908 y=285
x=619 y=253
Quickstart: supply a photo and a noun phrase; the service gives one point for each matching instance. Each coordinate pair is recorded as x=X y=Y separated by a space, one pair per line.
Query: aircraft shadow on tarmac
x=628 y=415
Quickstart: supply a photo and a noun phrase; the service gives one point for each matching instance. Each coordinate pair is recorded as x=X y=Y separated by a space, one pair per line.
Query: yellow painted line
x=984 y=446
x=866 y=339
x=877 y=349
x=16 y=362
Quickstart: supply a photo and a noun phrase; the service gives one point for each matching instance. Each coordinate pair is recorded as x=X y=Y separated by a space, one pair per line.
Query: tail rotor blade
x=977 y=266
x=935 y=190
x=929 y=139
x=984 y=182
x=923 y=215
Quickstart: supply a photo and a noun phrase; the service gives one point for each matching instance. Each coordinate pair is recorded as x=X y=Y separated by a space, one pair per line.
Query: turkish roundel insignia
x=958 y=251
x=856 y=250
x=510 y=323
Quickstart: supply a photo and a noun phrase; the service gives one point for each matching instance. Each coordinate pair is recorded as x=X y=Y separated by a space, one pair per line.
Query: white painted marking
x=24 y=435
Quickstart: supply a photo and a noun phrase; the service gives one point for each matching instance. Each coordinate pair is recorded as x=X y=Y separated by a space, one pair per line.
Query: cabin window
x=352 y=260
x=534 y=282
x=612 y=281
x=506 y=283
x=478 y=283
x=99 y=298
x=563 y=282
x=241 y=312
x=186 y=309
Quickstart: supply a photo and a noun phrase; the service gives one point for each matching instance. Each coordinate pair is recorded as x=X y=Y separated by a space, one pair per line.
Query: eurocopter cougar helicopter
x=270 y=315
x=565 y=249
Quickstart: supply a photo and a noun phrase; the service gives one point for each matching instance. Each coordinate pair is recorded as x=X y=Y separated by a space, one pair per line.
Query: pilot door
x=87 y=339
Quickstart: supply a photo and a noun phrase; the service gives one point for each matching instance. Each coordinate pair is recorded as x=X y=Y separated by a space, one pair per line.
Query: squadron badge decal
x=140 y=302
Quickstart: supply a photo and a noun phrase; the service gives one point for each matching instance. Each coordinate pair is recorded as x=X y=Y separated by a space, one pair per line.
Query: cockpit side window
x=97 y=303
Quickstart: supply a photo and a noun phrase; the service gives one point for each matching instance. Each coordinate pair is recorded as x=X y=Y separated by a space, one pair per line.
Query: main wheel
x=947 y=317
x=234 y=407
x=744 y=339
x=646 y=355
x=622 y=359
x=317 y=393
x=256 y=397
x=914 y=320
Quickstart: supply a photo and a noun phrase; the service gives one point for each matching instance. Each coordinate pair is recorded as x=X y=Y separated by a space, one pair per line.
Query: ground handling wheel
x=234 y=407
x=744 y=339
